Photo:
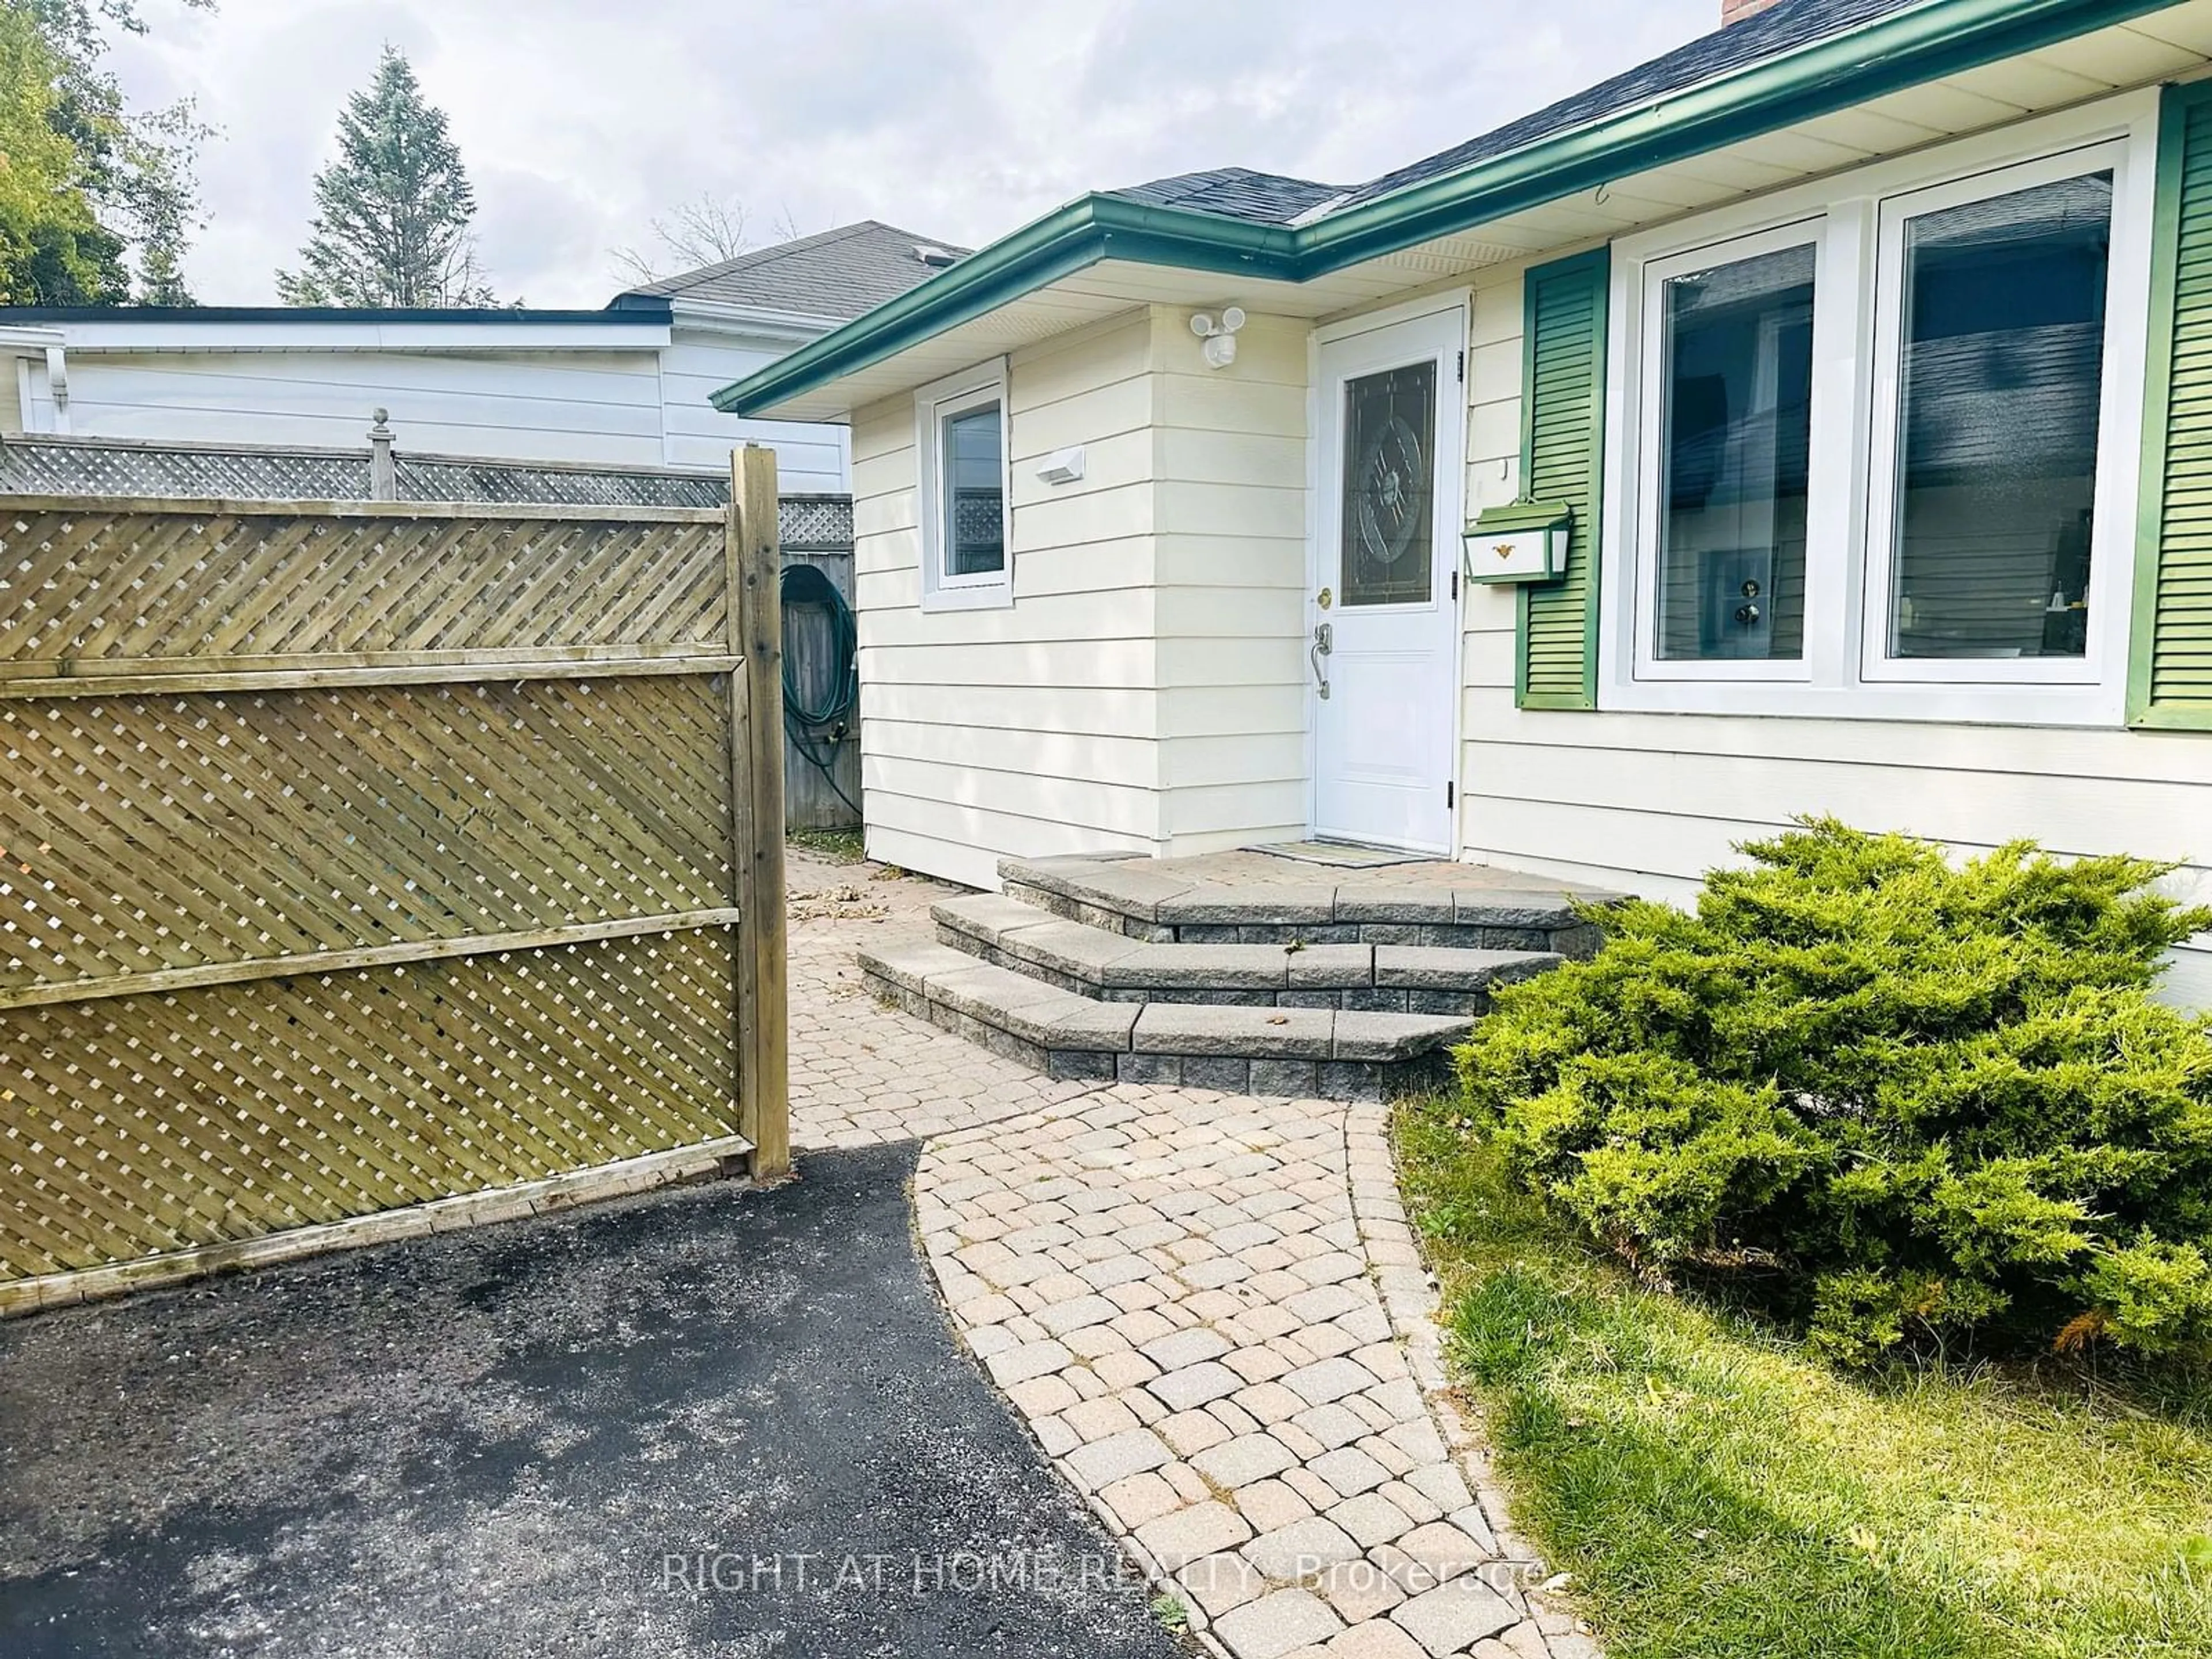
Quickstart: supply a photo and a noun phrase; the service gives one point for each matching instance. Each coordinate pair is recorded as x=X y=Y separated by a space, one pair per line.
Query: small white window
x=961 y=451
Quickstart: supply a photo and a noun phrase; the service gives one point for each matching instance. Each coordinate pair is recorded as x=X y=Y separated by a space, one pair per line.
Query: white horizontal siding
x=645 y=406
x=986 y=782
x=1114 y=759
x=1113 y=629
x=1102 y=419
x=1649 y=802
x=1104 y=712
x=1246 y=759
x=1635 y=763
x=1218 y=661
x=1146 y=689
x=1231 y=448
x=1223 y=816
x=622 y=379
x=1190 y=401
x=1214 y=711
x=1028 y=730
x=573 y=407
x=810 y=459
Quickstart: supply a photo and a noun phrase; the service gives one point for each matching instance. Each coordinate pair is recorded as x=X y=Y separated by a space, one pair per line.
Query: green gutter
x=1083 y=233
x=1925 y=43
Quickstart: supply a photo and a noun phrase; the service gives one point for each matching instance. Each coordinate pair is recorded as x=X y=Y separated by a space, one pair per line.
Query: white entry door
x=1384 y=618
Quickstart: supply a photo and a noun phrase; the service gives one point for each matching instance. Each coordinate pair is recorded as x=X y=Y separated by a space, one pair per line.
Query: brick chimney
x=1735 y=11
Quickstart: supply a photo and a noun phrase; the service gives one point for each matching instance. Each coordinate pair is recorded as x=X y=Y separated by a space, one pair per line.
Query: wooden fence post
x=755 y=559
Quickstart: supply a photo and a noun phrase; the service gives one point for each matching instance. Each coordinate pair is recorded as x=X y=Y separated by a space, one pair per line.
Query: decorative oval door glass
x=1389 y=487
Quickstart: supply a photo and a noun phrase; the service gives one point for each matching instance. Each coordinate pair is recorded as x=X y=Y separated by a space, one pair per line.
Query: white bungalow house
x=1813 y=420
x=627 y=385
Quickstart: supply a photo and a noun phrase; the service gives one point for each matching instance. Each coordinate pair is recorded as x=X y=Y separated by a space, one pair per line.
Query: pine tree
x=161 y=272
x=392 y=211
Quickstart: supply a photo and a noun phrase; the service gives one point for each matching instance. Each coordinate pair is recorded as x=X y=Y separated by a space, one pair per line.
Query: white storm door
x=1384 y=622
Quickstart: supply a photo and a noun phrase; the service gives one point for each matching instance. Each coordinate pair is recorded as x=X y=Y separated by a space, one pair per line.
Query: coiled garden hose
x=806 y=586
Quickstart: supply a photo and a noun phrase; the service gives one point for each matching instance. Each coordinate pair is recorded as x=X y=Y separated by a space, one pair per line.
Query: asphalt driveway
x=710 y=1422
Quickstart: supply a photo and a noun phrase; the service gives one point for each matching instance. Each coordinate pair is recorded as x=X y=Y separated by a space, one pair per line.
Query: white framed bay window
x=1722 y=583
x=1874 y=441
x=964 y=493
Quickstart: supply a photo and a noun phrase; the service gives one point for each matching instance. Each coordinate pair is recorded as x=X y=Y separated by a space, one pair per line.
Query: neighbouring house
x=1831 y=395
x=629 y=385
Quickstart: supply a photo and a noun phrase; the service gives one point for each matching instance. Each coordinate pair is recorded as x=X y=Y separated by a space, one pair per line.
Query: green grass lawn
x=1719 y=1494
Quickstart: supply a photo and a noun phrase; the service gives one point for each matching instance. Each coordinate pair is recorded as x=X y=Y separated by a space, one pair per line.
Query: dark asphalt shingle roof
x=1783 y=27
x=1271 y=198
x=836 y=274
x=1236 y=193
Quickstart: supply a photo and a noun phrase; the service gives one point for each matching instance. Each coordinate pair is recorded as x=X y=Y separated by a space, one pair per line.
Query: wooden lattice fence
x=356 y=858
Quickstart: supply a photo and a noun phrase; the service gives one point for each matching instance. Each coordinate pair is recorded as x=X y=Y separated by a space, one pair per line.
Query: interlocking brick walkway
x=860 y=1074
x=1209 y=1308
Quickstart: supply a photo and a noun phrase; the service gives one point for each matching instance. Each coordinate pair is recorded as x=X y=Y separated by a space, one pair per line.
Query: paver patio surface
x=1210 y=1311
x=860 y=1076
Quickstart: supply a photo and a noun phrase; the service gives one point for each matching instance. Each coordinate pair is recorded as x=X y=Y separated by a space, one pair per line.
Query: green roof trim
x=1080 y=234
x=1889 y=54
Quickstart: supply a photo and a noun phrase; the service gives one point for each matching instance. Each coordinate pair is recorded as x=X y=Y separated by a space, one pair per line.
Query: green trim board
x=1563 y=333
x=2170 y=639
x=1902 y=49
x=1083 y=234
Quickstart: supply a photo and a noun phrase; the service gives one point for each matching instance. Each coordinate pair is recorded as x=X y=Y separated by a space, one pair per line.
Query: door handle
x=1324 y=641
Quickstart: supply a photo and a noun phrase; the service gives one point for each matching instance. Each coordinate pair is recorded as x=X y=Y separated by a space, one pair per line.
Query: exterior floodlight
x=1219 y=334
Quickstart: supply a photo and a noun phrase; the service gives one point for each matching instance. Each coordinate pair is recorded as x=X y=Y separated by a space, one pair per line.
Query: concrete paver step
x=1189 y=901
x=1332 y=1052
x=1406 y=979
x=1116 y=1257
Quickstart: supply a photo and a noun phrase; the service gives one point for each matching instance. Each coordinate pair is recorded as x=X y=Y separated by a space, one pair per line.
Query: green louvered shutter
x=1563 y=420
x=2170 y=672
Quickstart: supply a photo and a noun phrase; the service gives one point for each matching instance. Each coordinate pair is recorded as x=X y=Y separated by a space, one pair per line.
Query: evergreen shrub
x=1901 y=1098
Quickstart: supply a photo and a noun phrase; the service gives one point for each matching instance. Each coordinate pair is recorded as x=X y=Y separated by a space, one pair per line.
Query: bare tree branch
x=707 y=230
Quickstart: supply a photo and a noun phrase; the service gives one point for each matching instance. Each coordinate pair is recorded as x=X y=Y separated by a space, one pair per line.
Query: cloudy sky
x=958 y=120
